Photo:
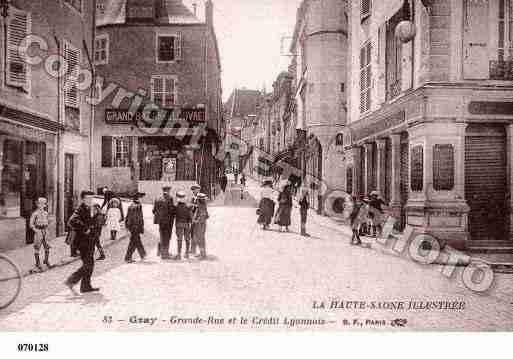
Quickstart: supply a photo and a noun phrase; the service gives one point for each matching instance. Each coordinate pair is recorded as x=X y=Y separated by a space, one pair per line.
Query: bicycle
x=11 y=280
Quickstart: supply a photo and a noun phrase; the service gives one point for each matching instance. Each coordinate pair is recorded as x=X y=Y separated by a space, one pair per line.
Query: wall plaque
x=490 y=108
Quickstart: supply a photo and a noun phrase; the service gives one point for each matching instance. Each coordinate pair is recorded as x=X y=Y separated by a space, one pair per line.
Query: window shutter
x=107 y=151
x=381 y=80
x=476 y=42
x=130 y=150
x=72 y=56
x=178 y=47
x=18 y=27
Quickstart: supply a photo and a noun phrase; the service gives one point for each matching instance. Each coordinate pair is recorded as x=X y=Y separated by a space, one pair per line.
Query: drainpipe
x=58 y=208
x=91 y=92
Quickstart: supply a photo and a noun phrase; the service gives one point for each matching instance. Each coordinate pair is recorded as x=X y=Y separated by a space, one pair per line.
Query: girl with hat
x=266 y=206
x=114 y=218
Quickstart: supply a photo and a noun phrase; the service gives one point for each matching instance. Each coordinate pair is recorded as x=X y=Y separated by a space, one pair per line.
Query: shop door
x=405 y=181
x=69 y=180
x=485 y=182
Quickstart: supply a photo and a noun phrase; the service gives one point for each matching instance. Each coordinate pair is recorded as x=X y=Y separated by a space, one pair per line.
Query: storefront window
x=443 y=167
x=417 y=169
x=10 y=173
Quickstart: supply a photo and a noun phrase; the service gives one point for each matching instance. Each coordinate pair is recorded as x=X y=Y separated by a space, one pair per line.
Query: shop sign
x=490 y=108
x=193 y=115
x=122 y=117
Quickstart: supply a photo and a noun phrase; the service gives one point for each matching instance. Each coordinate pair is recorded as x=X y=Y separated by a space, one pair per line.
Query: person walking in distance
x=266 y=205
x=243 y=185
x=114 y=218
x=39 y=224
x=304 y=205
x=164 y=216
x=135 y=225
x=200 y=225
x=284 y=208
x=194 y=205
x=81 y=222
x=224 y=182
x=183 y=225
x=97 y=223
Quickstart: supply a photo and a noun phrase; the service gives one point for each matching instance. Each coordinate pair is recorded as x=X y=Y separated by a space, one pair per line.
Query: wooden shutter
x=130 y=140
x=178 y=47
x=72 y=56
x=107 y=151
x=443 y=167
x=18 y=28
x=476 y=38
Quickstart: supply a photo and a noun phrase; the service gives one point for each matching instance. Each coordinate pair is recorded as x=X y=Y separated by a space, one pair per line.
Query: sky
x=250 y=35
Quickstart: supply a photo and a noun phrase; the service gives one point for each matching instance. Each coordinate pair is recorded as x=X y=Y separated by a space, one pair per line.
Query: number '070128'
x=32 y=347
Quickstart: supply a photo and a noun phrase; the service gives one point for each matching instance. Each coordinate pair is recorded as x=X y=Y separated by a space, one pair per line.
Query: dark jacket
x=304 y=205
x=81 y=222
x=97 y=223
x=285 y=197
x=183 y=213
x=164 y=212
x=134 y=218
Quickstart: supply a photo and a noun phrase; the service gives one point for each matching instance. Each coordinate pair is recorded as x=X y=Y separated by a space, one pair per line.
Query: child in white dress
x=113 y=220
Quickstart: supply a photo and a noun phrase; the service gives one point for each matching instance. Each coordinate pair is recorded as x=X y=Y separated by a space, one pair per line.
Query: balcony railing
x=501 y=70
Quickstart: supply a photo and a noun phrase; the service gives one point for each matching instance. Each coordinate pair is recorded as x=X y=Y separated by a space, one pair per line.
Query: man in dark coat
x=135 y=225
x=81 y=223
x=164 y=216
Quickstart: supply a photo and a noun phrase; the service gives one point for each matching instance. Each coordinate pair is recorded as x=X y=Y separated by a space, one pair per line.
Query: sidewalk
x=497 y=263
x=59 y=252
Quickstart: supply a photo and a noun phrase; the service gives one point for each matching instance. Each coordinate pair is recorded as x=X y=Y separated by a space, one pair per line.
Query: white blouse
x=267 y=193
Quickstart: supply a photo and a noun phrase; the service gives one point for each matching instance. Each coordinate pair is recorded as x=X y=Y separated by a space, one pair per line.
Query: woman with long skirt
x=285 y=208
x=266 y=206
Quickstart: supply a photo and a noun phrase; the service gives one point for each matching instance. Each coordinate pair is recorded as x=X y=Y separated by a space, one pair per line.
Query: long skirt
x=283 y=215
x=266 y=211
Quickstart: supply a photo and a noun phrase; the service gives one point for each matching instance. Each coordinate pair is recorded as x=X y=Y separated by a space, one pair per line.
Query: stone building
x=240 y=110
x=159 y=82
x=319 y=48
x=45 y=118
x=431 y=115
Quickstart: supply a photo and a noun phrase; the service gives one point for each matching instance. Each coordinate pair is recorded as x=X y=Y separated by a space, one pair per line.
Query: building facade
x=45 y=117
x=319 y=49
x=431 y=117
x=159 y=74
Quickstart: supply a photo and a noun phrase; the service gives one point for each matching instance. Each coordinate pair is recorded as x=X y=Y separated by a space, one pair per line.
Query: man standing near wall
x=164 y=216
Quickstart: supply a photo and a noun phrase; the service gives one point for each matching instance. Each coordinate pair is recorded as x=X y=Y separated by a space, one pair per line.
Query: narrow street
x=270 y=278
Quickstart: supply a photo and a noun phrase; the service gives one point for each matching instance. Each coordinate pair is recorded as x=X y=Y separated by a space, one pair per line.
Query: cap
x=180 y=194
x=374 y=193
x=84 y=194
x=202 y=196
x=166 y=188
x=195 y=186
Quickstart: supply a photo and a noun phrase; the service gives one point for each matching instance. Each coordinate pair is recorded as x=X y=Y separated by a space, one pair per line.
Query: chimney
x=209 y=13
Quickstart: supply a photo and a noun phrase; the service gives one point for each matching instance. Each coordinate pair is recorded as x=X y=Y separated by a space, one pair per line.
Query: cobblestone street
x=273 y=279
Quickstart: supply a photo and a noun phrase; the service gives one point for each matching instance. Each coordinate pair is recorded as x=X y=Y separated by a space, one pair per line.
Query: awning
x=283 y=155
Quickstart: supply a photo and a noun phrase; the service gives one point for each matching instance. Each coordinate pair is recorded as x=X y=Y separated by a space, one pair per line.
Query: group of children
x=191 y=224
x=367 y=217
